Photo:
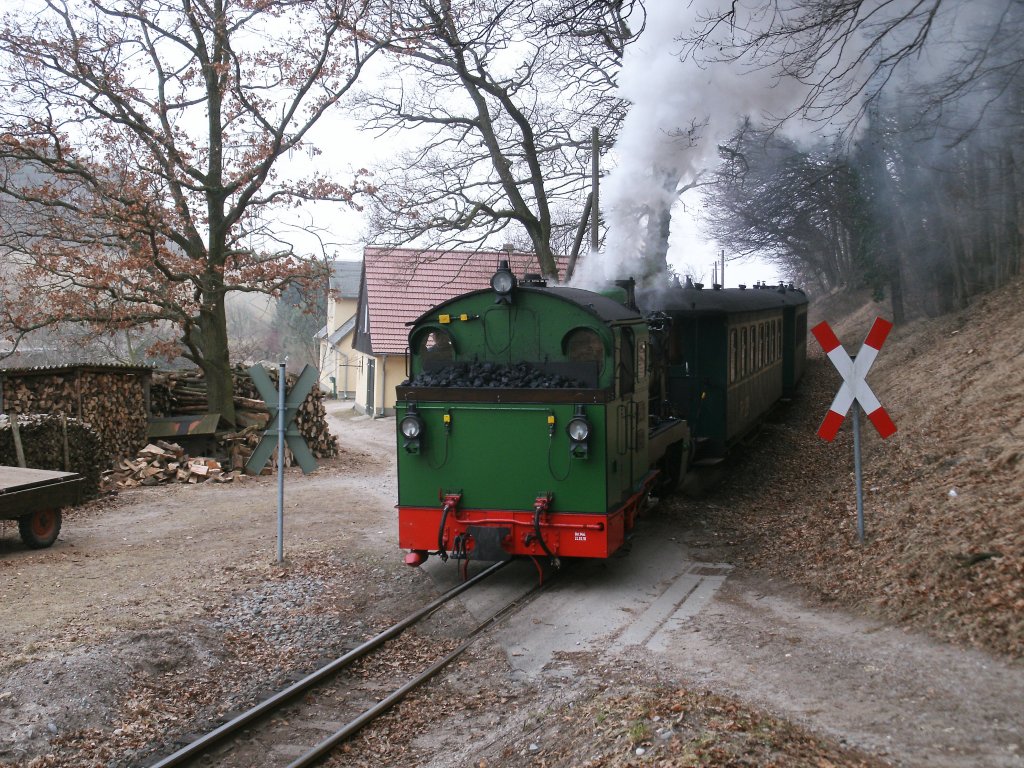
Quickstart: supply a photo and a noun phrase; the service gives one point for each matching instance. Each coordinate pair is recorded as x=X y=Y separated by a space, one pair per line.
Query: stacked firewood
x=111 y=400
x=56 y=443
x=162 y=462
x=184 y=392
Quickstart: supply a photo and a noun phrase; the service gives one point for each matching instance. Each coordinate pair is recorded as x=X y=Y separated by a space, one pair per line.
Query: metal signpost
x=855 y=392
x=283 y=409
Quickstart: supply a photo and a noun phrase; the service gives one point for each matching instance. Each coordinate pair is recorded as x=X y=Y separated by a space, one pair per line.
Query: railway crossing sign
x=283 y=414
x=303 y=386
x=855 y=392
x=854 y=386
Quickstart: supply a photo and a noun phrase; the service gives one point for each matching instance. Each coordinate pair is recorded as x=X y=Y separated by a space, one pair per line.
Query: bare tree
x=142 y=143
x=848 y=52
x=797 y=208
x=504 y=94
x=925 y=198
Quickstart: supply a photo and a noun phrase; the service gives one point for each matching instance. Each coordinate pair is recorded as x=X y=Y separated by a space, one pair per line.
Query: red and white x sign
x=854 y=386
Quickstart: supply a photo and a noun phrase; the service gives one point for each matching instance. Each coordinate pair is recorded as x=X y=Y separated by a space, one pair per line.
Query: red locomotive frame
x=566 y=534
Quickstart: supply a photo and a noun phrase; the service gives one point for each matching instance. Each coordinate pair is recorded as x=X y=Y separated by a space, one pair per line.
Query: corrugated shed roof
x=403 y=283
x=345 y=277
x=46 y=370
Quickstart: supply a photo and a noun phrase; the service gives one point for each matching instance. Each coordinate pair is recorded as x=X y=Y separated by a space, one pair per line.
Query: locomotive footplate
x=488 y=542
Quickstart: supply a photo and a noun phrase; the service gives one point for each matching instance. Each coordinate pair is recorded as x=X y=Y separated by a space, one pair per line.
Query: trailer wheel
x=39 y=529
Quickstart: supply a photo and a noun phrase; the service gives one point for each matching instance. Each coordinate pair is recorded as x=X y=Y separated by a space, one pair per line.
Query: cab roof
x=606 y=309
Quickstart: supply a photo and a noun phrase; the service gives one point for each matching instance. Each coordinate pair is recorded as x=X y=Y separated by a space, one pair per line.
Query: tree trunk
x=546 y=259
x=899 y=312
x=216 y=362
x=1015 y=193
x=659 y=227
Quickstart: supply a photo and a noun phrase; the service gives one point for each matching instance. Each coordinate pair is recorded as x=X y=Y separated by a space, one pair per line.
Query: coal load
x=493 y=376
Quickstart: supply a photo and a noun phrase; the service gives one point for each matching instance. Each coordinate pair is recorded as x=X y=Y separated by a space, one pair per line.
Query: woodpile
x=112 y=399
x=56 y=443
x=184 y=393
x=162 y=462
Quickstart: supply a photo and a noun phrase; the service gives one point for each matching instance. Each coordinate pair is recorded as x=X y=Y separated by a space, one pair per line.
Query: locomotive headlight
x=411 y=427
x=578 y=430
x=503 y=282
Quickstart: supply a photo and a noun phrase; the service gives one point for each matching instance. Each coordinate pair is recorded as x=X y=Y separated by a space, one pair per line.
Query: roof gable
x=403 y=283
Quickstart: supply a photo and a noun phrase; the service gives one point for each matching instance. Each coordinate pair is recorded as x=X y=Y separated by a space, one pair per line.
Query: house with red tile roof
x=398 y=285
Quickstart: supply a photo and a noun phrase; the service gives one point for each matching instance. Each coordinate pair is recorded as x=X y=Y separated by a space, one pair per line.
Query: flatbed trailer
x=35 y=497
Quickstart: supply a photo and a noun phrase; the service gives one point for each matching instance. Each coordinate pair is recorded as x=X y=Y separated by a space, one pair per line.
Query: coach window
x=743 y=352
x=733 y=356
x=583 y=345
x=436 y=346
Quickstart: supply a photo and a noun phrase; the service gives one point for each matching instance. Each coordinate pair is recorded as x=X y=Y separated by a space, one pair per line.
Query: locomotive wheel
x=672 y=470
x=39 y=529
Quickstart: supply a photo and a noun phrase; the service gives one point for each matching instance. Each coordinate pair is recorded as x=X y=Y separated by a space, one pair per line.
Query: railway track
x=261 y=715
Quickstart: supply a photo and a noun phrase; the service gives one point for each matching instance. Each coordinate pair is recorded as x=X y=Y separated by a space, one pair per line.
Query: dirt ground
x=163 y=608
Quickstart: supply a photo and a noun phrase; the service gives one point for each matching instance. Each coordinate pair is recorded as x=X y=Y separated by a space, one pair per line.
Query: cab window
x=436 y=346
x=583 y=345
x=627 y=363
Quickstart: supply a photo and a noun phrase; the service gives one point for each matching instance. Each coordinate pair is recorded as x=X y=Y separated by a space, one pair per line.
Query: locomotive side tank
x=525 y=426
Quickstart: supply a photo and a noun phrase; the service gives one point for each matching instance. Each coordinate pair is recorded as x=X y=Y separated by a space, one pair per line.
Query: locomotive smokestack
x=629 y=286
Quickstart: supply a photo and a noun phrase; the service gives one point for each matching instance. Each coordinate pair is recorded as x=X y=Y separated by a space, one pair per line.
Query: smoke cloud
x=683 y=104
x=687 y=99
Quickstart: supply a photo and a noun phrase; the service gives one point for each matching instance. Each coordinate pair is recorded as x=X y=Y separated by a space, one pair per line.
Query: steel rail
x=205 y=742
x=321 y=750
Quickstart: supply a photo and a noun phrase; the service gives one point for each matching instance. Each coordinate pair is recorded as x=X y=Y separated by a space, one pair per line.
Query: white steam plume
x=681 y=109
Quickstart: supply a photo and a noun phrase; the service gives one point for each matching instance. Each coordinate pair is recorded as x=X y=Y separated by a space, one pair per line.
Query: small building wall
x=388 y=372
x=338 y=360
